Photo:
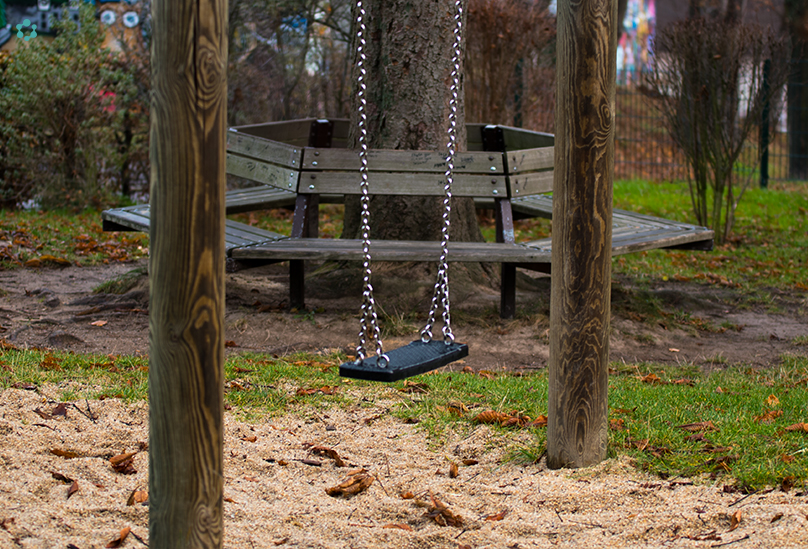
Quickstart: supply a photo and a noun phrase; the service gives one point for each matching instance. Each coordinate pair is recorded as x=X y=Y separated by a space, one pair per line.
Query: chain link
x=369 y=323
x=440 y=297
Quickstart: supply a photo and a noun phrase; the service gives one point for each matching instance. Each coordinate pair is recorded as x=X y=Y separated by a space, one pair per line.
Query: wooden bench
x=305 y=162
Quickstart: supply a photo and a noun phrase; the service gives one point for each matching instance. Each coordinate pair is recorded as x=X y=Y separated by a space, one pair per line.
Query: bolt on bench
x=302 y=163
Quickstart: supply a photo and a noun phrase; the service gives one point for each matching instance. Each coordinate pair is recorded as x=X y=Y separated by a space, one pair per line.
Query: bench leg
x=507 y=305
x=297 y=284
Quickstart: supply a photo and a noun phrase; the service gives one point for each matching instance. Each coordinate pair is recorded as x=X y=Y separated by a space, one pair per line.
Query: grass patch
x=60 y=238
x=733 y=426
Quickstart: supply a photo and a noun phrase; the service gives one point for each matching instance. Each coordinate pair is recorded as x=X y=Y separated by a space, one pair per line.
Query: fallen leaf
x=74 y=487
x=61 y=478
x=776 y=517
x=453 y=470
x=491 y=416
x=355 y=482
x=6 y=522
x=617 y=424
x=719 y=390
x=99 y=323
x=43 y=415
x=60 y=410
x=467 y=370
x=49 y=362
x=328 y=452
x=117 y=542
x=735 y=520
x=486 y=374
x=457 y=408
x=407 y=495
x=440 y=513
x=797 y=427
x=787 y=458
x=251 y=438
x=673 y=350
x=769 y=416
x=230 y=343
x=124 y=463
x=414 y=388
x=470 y=462
x=398 y=526
x=653 y=379
x=498 y=516
x=787 y=483
x=137 y=496
x=698 y=427
x=772 y=401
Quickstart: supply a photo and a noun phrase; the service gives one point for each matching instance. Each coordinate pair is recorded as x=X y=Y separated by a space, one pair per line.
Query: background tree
x=708 y=77
x=795 y=21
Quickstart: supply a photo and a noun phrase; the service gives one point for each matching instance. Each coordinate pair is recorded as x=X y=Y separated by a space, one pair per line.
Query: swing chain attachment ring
x=369 y=324
x=440 y=296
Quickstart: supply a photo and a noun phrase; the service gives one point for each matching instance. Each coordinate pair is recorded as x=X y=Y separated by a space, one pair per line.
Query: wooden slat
x=262 y=197
x=237 y=235
x=267 y=150
x=530 y=160
x=386 y=250
x=262 y=172
x=288 y=131
x=410 y=184
x=531 y=183
x=518 y=138
x=380 y=160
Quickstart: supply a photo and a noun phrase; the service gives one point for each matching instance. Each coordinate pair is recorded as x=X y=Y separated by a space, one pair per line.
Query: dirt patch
x=703 y=324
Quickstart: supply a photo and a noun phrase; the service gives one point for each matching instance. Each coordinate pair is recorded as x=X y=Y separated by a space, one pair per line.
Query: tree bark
x=186 y=320
x=796 y=21
x=582 y=233
x=409 y=63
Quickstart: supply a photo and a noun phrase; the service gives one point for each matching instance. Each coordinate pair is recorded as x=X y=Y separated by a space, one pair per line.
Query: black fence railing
x=643 y=148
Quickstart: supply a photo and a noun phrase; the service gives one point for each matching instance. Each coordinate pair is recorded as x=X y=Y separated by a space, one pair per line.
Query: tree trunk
x=409 y=63
x=186 y=274
x=797 y=98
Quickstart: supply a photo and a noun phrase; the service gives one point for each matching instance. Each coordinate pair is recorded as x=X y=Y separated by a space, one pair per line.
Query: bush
x=709 y=78
x=59 y=101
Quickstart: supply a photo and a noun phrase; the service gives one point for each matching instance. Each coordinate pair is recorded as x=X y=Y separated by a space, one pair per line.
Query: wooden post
x=582 y=233
x=186 y=268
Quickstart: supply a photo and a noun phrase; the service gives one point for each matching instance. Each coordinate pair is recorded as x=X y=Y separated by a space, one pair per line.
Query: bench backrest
x=495 y=166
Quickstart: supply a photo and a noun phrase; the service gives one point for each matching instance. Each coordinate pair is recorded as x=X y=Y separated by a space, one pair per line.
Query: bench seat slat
x=380 y=160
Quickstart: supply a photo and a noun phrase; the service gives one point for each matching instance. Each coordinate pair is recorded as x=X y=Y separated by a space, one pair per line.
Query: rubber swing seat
x=413 y=359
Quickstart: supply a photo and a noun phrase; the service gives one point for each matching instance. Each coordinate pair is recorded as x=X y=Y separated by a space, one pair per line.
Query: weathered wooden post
x=186 y=268
x=582 y=233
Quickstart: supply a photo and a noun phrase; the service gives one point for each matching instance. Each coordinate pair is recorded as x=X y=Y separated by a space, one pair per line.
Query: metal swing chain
x=369 y=325
x=441 y=294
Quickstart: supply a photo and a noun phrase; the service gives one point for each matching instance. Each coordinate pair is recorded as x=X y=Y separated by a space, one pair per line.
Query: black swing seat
x=413 y=359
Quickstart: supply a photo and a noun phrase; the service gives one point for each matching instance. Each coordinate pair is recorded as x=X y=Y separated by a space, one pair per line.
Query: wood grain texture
x=187 y=152
x=582 y=231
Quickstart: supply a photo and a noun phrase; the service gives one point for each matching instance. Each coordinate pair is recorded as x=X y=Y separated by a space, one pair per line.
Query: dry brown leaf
x=398 y=526
x=440 y=513
x=42 y=414
x=735 y=520
x=772 y=401
x=787 y=458
x=67 y=454
x=355 y=482
x=700 y=426
x=540 y=421
x=124 y=463
x=470 y=462
x=99 y=323
x=230 y=343
x=74 y=487
x=491 y=416
x=137 y=496
x=415 y=388
x=788 y=483
x=769 y=416
x=453 y=470
x=498 y=516
x=60 y=410
x=407 y=495
x=467 y=370
x=652 y=379
x=250 y=438
x=617 y=424
x=49 y=362
x=61 y=478
x=776 y=517
x=486 y=374
x=117 y=542
x=797 y=427
x=457 y=408
x=328 y=452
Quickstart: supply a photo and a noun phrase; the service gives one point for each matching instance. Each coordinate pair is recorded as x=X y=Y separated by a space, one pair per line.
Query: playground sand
x=275 y=487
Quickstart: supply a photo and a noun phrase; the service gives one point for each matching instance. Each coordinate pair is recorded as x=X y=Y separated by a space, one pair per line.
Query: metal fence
x=643 y=148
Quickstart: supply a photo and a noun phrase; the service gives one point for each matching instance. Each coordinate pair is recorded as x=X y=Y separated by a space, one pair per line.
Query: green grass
x=57 y=238
x=646 y=411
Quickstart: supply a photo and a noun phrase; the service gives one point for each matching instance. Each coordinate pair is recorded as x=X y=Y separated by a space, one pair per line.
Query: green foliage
x=60 y=104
